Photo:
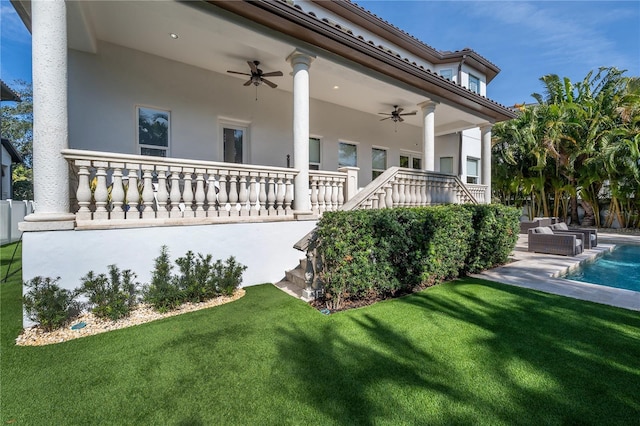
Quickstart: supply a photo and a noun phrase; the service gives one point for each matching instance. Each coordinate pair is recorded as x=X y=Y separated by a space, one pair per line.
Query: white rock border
x=141 y=314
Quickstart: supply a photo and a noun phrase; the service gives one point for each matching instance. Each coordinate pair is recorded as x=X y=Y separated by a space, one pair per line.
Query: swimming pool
x=619 y=268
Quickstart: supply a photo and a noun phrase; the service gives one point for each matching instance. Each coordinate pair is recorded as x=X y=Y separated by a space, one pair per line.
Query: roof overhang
x=7 y=93
x=13 y=152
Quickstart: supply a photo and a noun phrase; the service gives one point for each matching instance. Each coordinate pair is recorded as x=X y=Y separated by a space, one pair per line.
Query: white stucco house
x=153 y=126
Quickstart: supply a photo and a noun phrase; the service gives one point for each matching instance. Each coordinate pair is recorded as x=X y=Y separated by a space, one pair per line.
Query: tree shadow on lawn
x=490 y=354
x=588 y=354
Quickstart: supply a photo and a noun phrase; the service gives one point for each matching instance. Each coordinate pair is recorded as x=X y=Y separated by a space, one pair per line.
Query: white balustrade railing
x=478 y=191
x=400 y=187
x=327 y=190
x=133 y=187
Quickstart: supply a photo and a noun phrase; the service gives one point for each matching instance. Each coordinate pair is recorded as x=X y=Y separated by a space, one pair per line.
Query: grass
x=466 y=352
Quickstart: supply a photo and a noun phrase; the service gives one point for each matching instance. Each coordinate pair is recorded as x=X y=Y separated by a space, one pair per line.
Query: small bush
x=111 y=297
x=48 y=304
x=228 y=275
x=197 y=280
x=163 y=293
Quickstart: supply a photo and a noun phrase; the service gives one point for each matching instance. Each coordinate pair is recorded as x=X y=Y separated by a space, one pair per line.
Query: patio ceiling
x=218 y=41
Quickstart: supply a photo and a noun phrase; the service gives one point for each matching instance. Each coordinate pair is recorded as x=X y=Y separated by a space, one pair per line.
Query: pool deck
x=541 y=272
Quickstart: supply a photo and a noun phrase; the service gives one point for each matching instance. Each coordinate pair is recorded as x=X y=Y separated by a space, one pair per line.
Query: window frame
x=440 y=164
x=472 y=179
x=230 y=123
x=477 y=81
x=140 y=146
x=375 y=172
x=412 y=157
x=312 y=164
x=449 y=70
x=355 y=145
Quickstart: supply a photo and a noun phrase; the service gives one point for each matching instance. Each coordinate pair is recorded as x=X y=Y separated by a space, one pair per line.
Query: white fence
x=12 y=213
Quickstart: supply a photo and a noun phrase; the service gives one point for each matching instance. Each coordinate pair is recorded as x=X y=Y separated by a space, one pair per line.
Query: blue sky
x=526 y=39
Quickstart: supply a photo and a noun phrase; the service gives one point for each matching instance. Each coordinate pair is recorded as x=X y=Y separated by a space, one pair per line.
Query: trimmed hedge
x=379 y=253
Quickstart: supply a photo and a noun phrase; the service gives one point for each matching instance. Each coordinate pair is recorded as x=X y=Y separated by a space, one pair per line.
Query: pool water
x=619 y=268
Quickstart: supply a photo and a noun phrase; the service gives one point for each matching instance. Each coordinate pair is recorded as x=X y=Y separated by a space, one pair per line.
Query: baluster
x=187 y=191
x=340 y=194
x=288 y=195
x=262 y=194
x=162 y=195
x=222 y=195
x=253 y=194
x=147 y=192
x=334 y=195
x=375 y=204
x=271 y=195
x=233 y=193
x=174 y=194
x=321 y=191
x=407 y=195
x=422 y=192
x=415 y=192
x=314 y=195
x=327 y=194
x=100 y=194
x=381 y=195
x=280 y=195
x=395 y=193
x=243 y=195
x=200 y=196
x=212 y=200
x=401 y=193
x=83 y=193
x=428 y=186
x=388 y=201
x=133 y=193
x=117 y=191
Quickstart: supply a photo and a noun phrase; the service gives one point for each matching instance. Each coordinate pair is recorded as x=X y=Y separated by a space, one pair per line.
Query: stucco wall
x=106 y=87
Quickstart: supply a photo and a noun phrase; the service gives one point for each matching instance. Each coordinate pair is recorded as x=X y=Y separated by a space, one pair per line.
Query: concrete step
x=296 y=277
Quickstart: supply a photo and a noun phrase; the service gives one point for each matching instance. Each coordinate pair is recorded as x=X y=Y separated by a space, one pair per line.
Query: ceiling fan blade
x=385 y=113
x=236 y=72
x=399 y=110
x=400 y=119
x=386 y=118
x=410 y=113
x=273 y=74
x=268 y=83
x=248 y=83
x=253 y=66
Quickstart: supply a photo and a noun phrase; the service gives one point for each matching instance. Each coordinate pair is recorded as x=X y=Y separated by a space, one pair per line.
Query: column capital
x=428 y=106
x=299 y=56
x=486 y=127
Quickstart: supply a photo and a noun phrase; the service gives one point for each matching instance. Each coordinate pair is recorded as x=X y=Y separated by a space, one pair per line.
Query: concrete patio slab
x=543 y=272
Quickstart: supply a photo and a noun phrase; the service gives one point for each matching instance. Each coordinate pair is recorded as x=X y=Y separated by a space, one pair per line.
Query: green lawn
x=466 y=352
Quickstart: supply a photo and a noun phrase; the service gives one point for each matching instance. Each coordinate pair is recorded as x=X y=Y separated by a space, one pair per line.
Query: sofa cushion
x=542 y=230
x=561 y=226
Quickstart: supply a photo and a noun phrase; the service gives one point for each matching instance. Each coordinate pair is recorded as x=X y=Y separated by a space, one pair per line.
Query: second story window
x=447 y=73
x=474 y=83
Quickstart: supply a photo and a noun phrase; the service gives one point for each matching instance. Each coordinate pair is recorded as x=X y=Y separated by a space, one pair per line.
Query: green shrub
x=378 y=253
x=496 y=233
x=199 y=279
x=110 y=297
x=163 y=293
x=48 y=304
x=228 y=275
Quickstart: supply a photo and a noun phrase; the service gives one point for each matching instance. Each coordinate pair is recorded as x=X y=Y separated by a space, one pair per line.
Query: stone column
x=300 y=62
x=50 y=128
x=485 y=162
x=428 y=135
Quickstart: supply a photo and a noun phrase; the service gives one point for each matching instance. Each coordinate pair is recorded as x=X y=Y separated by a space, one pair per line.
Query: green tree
x=17 y=126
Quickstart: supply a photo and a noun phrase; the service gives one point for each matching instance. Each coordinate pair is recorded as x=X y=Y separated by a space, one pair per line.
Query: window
x=410 y=161
x=235 y=139
x=314 y=153
x=153 y=131
x=474 y=83
x=347 y=154
x=378 y=162
x=447 y=73
x=472 y=170
x=446 y=165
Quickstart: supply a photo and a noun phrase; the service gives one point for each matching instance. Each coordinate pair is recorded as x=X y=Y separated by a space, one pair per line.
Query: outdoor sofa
x=543 y=240
x=525 y=225
x=590 y=236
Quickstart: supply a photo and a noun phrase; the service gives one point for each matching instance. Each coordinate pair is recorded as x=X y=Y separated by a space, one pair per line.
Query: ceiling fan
x=257 y=76
x=397 y=114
